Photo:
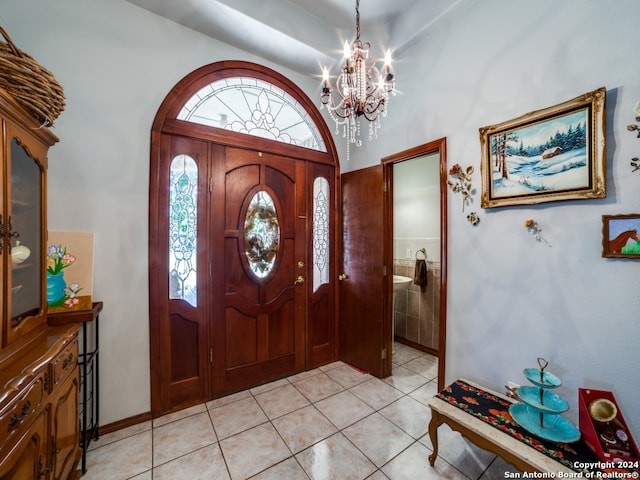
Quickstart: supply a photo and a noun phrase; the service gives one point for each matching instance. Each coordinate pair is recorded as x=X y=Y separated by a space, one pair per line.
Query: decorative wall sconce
x=635 y=162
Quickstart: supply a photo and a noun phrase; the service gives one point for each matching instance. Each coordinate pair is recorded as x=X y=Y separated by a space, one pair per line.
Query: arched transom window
x=255 y=107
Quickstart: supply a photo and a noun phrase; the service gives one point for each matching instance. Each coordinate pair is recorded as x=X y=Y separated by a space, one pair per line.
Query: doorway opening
x=416 y=250
x=242 y=235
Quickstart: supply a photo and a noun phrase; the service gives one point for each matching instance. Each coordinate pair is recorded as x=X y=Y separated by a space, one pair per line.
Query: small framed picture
x=620 y=238
x=557 y=153
x=69 y=271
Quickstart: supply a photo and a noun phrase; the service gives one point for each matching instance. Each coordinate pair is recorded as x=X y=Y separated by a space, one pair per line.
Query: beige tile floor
x=330 y=423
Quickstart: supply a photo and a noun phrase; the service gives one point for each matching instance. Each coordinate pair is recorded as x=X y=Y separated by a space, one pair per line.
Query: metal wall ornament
x=535 y=229
x=473 y=218
x=635 y=162
x=557 y=153
x=461 y=183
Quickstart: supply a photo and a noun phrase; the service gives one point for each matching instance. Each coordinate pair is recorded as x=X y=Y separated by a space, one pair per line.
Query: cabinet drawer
x=22 y=408
x=64 y=363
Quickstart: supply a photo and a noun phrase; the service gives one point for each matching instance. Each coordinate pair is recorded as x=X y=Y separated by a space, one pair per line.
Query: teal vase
x=55 y=287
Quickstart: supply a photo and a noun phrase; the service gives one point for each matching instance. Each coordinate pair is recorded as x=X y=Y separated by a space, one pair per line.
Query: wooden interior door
x=259 y=299
x=361 y=291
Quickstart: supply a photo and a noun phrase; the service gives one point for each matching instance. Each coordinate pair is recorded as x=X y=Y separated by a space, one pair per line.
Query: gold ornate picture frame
x=557 y=153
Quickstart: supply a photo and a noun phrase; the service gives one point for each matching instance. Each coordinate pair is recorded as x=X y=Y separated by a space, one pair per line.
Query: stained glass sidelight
x=261 y=234
x=254 y=107
x=183 y=229
x=320 y=232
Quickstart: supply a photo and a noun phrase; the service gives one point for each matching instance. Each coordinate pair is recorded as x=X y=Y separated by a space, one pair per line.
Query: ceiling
x=303 y=35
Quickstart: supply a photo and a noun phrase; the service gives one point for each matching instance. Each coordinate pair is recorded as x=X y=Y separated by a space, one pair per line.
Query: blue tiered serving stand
x=540 y=410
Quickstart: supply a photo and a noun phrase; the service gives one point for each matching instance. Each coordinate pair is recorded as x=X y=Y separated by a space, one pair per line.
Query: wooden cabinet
x=39 y=422
x=65 y=424
x=39 y=374
x=39 y=406
x=27 y=457
x=23 y=216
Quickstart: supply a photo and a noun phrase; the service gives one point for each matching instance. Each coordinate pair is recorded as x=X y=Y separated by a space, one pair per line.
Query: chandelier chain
x=357 y=19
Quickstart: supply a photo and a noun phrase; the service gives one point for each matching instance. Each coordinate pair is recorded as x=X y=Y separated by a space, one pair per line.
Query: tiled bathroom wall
x=417 y=309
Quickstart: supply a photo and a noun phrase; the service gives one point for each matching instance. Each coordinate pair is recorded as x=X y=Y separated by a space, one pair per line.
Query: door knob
x=299 y=280
x=343 y=276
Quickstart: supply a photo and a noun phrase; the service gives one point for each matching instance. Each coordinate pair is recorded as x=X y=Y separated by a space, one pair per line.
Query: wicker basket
x=29 y=83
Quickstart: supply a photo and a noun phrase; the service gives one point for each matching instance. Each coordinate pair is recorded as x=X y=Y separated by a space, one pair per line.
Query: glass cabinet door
x=23 y=232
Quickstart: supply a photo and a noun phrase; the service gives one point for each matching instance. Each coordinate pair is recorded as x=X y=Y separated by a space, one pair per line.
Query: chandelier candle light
x=362 y=88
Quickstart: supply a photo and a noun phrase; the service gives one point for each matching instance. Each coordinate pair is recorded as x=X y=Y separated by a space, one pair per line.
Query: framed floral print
x=557 y=153
x=69 y=271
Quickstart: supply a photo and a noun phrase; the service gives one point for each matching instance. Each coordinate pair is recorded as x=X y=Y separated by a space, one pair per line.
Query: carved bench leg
x=433 y=434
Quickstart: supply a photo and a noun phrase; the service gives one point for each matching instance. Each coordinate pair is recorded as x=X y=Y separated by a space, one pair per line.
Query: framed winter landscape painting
x=620 y=236
x=557 y=153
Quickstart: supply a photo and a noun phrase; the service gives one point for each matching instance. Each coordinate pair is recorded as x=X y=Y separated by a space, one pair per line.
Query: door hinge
x=211 y=355
x=384 y=270
x=384 y=186
x=384 y=353
x=210 y=184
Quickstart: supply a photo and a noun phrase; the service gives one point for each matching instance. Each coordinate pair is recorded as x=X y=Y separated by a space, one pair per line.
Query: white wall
x=116 y=63
x=416 y=197
x=511 y=299
x=416 y=208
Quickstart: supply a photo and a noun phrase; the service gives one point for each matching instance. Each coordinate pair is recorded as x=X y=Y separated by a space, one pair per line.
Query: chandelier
x=363 y=90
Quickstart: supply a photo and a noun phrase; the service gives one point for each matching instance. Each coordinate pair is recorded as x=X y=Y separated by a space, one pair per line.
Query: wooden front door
x=241 y=282
x=258 y=249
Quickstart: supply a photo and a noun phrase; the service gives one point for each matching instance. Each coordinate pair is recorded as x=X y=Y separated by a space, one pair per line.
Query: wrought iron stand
x=89 y=372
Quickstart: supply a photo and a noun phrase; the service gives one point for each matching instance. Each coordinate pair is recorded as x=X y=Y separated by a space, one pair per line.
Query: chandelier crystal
x=362 y=90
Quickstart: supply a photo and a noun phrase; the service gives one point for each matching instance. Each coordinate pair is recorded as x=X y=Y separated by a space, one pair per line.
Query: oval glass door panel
x=261 y=234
